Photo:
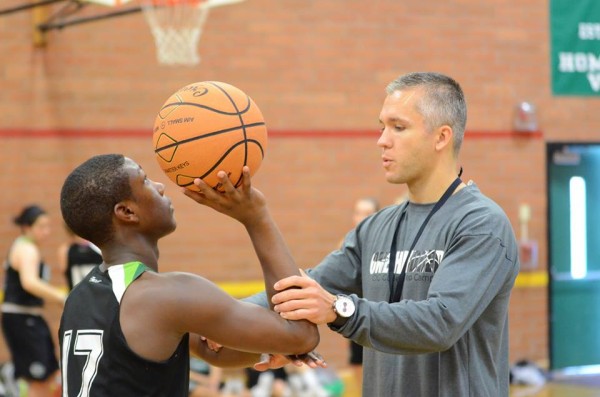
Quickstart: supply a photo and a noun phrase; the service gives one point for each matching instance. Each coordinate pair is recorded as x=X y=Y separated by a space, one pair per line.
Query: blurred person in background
x=77 y=257
x=363 y=208
x=26 y=288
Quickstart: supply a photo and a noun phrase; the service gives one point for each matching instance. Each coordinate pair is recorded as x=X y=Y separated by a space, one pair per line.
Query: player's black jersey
x=95 y=358
x=81 y=259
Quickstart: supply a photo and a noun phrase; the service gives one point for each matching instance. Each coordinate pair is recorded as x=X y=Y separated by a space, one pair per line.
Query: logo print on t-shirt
x=426 y=261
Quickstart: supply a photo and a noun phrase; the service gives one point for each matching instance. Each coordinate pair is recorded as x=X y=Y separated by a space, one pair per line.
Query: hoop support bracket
x=44 y=27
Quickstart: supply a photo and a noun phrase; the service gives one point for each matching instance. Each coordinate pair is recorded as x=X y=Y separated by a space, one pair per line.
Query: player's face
x=40 y=229
x=154 y=208
x=406 y=145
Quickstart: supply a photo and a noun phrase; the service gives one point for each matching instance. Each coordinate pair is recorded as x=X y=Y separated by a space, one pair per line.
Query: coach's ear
x=443 y=137
x=125 y=212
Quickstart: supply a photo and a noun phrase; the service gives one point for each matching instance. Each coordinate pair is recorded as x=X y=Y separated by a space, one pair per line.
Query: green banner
x=575 y=47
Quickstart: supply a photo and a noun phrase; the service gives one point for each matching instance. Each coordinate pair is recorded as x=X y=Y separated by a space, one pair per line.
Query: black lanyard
x=396 y=294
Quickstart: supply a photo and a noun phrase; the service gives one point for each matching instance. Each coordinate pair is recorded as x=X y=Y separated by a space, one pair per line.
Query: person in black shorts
x=363 y=208
x=25 y=290
x=127 y=330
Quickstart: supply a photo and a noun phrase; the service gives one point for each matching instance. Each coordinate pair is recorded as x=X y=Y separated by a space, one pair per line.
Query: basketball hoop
x=176 y=26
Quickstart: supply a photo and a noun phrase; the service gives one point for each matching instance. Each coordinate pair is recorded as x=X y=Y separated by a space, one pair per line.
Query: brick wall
x=317 y=69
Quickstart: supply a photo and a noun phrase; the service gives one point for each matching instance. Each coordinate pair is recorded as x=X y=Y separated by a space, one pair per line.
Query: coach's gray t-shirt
x=448 y=336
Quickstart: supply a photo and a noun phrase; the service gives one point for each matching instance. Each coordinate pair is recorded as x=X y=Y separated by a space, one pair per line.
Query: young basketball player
x=126 y=329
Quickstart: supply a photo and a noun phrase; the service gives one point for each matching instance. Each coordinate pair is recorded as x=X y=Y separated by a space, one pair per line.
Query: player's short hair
x=89 y=194
x=443 y=103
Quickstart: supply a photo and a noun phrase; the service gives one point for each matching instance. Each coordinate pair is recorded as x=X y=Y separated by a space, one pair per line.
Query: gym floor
x=550 y=389
x=555 y=390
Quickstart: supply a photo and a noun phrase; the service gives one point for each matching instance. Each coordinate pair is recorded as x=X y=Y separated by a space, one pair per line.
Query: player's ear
x=125 y=212
x=444 y=136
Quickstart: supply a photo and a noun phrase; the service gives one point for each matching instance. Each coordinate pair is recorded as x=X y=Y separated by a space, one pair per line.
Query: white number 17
x=88 y=342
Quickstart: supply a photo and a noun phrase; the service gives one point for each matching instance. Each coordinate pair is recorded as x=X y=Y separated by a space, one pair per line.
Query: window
x=577 y=210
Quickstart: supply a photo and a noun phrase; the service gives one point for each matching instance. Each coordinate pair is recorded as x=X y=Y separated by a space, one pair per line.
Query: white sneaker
x=7 y=375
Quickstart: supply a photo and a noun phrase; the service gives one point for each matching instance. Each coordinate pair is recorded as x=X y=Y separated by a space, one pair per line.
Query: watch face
x=344 y=306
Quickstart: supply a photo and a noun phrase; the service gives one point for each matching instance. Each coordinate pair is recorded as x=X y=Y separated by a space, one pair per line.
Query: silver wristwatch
x=343 y=306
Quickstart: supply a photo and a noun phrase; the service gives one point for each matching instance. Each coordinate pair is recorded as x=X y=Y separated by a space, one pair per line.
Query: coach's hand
x=302 y=298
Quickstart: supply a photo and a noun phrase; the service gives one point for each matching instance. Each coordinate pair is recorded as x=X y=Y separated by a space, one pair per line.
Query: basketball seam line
x=221 y=160
x=208 y=108
x=241 y=121
x=157 y=150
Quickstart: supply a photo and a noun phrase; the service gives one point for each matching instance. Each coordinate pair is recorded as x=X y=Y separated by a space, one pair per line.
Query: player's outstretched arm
x=248 y=205
x=160 y=308
x=184 y=302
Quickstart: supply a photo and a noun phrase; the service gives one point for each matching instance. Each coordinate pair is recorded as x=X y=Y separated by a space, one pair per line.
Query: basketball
x=207 y=127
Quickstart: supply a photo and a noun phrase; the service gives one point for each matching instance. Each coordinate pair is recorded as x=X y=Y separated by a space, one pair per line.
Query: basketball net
x=176 y=26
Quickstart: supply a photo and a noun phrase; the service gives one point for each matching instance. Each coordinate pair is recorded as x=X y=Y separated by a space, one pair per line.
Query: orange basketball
x=207 y=127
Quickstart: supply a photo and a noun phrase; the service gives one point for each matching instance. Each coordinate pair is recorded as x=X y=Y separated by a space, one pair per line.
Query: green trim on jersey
x=133 y=271
x=123 y=275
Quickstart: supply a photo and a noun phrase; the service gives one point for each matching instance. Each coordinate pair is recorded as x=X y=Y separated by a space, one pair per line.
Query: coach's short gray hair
x=443 y=103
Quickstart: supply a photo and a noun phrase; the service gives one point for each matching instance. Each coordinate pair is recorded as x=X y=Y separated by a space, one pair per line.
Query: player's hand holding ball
x=244 y=203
